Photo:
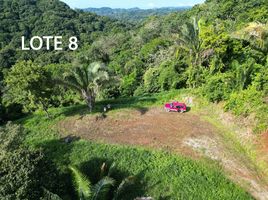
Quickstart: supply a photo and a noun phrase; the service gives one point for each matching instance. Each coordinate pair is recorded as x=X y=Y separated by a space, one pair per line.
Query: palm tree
x=102 y=189
x=87 y=81
x=189 y=41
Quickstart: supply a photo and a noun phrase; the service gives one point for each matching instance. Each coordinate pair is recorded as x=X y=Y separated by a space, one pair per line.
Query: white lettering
x=57 y=41
x=47 y=38
x=23 y=44
x=40 y=43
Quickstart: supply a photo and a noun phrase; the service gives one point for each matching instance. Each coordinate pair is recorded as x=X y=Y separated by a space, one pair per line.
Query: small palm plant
x=105 y=189
x=87 y=81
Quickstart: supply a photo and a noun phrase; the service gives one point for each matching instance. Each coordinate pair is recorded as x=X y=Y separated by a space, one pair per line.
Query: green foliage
x=49 y=18
x=243 y=73
x=87 y=81
x=214 y=37
x=133 y=15
x=129 y=84
x=249 y=102
x=25 y=173
x=183 y=49
x=29 y=85
x=217 y=87
x=82 y=184
x=11 y=137
x=256 y=34
x=105 y=188
x=149 y=50
x=20 y=178
x=151 y=80
x=261 y=80
x=50 y=196
x=102 y=188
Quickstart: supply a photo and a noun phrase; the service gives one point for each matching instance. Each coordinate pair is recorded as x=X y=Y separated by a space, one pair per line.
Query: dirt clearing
x=185 y=133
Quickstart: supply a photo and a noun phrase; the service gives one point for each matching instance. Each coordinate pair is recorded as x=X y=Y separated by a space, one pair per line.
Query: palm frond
x=82 y=184
x=126 y=183
x=111 y=169
x=102 y=188
x=69 y=83
x=80 y=76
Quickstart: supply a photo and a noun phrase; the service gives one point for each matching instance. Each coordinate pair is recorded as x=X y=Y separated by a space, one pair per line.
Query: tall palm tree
x=104 y=189
x=87 y=81
x=189 y=41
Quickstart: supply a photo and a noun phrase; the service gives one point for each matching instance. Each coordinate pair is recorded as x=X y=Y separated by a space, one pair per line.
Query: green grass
x=162 y=175
x=244 y=150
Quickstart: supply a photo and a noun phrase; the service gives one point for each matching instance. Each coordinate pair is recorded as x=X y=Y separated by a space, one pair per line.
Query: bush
x=10 y=138
x=250 y=102
x=129 y=84
x=244 y=102
x=217 y=87
x=24 y=174
x=151 y=83
x=171 y=76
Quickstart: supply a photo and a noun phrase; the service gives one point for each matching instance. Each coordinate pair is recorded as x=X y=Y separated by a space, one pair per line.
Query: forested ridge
x=134 y=15
x=218 y=48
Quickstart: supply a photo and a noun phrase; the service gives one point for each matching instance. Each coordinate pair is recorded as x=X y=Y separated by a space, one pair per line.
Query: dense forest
x=134 y=15
x=218 y=50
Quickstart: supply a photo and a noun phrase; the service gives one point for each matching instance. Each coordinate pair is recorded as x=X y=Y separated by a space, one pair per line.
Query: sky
x=130 y=3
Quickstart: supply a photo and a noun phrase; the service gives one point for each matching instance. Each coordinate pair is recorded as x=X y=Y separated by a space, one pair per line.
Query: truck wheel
x=167 y=110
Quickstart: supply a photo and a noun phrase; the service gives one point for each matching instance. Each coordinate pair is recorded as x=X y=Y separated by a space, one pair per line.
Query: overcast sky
x=130 y=3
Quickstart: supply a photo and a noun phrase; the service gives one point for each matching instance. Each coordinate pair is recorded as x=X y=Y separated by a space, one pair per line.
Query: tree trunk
x=89 y=98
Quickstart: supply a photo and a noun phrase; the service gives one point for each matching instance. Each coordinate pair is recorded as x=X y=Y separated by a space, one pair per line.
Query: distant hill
x=134 y=14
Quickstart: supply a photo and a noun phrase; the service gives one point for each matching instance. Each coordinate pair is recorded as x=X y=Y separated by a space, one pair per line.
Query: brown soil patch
x=155 y=128
x=186 y=134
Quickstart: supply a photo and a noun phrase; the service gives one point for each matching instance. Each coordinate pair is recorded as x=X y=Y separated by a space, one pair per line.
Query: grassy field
x=162 y=175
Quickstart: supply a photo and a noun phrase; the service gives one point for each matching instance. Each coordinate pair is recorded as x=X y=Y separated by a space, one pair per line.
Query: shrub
x=10 y=138
x=129 y=84
x=151 y=83
x=217 y=87
x=250 y=102
x=171 y=76
x=24 y=173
